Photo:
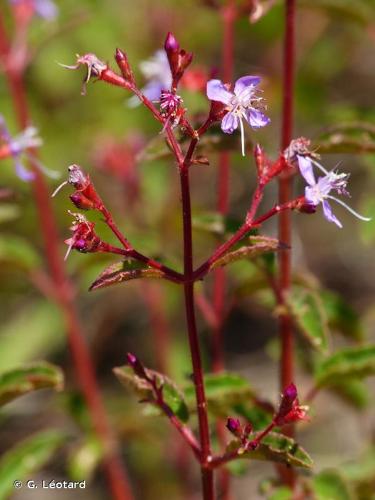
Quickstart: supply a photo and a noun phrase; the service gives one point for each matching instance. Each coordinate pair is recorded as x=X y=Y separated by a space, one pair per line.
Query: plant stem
x=228 y=16
x=204 y=431
x=285 y=191
x=285 y=233
x=116 y=476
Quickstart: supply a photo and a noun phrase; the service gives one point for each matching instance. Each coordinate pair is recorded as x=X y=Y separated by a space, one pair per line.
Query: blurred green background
x=334 y=106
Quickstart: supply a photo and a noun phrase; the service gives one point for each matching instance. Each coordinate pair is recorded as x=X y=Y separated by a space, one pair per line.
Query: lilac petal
x=216 y=91
x=256 y=119
x=328 y=214
x=229 y=123
x=306 y=169
x=244 y=82
x=152 y=90
x=325 y=185
x=22 y=172
x=46 y=9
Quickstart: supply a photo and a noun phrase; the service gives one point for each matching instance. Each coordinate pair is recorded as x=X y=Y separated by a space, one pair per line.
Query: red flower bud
x=289 y=409
x=234 y=426
x=178 y=59
x=123 y=63
x=137 y=366
x=80 y=201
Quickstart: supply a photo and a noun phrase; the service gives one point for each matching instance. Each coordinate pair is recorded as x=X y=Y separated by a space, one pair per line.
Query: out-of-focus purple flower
x=43 y=8
x=319 y=191
x=242 y=104
x=18 y=146
x=158 y=75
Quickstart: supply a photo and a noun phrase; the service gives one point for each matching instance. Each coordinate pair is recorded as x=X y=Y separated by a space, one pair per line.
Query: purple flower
x=242 y=103
x=157 y=72
x=42 y=8
x=319 y=191
x=19 y=145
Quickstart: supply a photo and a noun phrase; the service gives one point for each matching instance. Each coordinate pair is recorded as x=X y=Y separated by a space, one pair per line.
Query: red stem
x=82 y=361
x=204 y=431
x=228 y=16
x=285 y=193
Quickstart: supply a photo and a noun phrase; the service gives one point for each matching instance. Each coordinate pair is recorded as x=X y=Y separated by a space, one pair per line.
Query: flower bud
x=123 y=63
x=171 y=45
x=136 y=365
x=234 y=426
x=80 y=201
x=178 y=59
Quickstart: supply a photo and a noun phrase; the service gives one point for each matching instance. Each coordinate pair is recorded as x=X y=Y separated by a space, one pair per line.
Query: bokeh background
x=334 y=106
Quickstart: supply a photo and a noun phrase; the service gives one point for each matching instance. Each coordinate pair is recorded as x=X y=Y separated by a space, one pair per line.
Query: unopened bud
x=123 y=63
x=136 y=365
x=234 y=426
x=80 y=201
x=171 y=44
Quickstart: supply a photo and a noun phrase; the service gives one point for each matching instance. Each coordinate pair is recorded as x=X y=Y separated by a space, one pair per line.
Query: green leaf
x=329 y=485
x=173 y=396
x=362 y=469
x=124 y=271
x=258 y=245
x=223 y=392
x=277 y=448
x=8 y=212
x=85 y=459
x=361 y=11
x=281 y=493
x=18 y=251
x=341 y=316
x=18 y=382
x=26 y=458
x=215 y=223
x=308 y=312
x=353 y=391
x=35 y=332
x=355 y=362
x=353 y=138
x=368 y=229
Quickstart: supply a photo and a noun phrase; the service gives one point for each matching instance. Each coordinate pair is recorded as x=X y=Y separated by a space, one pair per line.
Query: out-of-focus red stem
x=228 y=16
x=154 y=299
x=285 y=193
x=116 y=476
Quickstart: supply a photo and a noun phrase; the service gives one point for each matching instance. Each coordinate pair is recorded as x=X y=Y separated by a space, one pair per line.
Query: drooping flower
x=43 y=8
x=95 y=67
x=18 y=146
x=241 y=104
x=319 y=191
x=84 y=239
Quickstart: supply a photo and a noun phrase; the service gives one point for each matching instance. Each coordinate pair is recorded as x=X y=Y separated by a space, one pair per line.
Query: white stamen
x=68 y=251
x=58 y=188
x=356 y=214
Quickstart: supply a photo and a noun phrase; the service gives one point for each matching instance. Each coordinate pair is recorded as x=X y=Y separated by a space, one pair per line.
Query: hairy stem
x=115 y=472
x=204 y=431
